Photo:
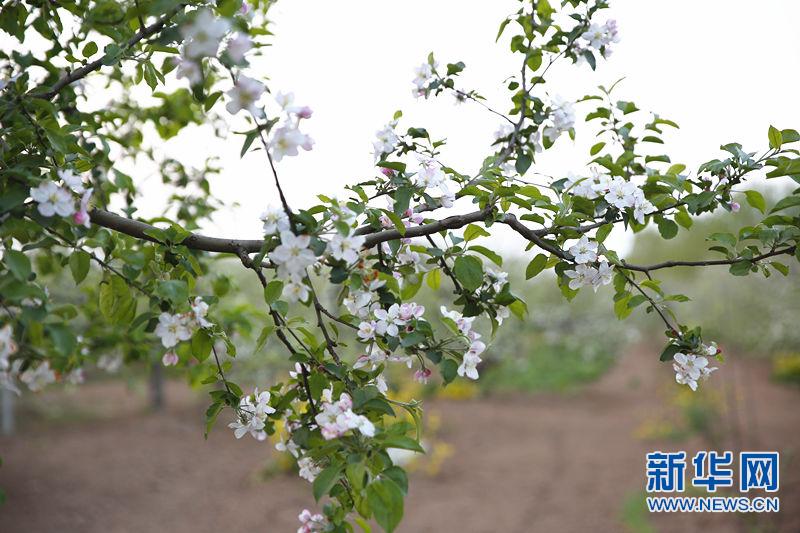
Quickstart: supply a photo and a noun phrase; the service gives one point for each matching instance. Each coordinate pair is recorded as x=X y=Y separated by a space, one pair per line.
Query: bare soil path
x=547 y=463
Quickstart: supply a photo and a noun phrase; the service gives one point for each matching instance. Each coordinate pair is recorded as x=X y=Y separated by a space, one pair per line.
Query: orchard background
x=524 y=313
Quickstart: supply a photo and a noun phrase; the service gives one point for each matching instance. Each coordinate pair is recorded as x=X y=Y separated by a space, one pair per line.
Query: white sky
x=724 y=70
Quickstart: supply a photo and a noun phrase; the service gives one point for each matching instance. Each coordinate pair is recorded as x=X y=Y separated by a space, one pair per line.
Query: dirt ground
x=547 y=463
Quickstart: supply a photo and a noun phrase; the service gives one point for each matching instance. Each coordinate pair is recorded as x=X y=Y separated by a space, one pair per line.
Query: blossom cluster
x=252 y=415
x=202 y=38
x=309 y=523
x=174 y=328
x=423 y=75
x=617 y=192
x=471 y=359
x=584 y=254
x=35 y=377
x=386 y=321
x=337 y=418
x=69 y=199
x=598 y=38
x=689 y=368
x=386 y=139
x=287 y=138
x=562 y=118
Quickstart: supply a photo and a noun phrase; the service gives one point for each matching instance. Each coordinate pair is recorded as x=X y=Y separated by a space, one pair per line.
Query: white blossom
x=244 y=95
x=275 y=220
x=72 y=180
x=562 y=116
x=293 y=255
x=309 y=470
x=385 y=140
x=469 y=363
x=203 y=34
x=336 y=418
x=81 y=216
x=170 y=358
x=429 y=175
x=346 y=247
x=53 y=199
x=582 y=276
x=295 y=290
x=110 y=363
x=603 y=275
x=191 y=70
x=199 y=312
x=172 y=329
x=238 y=46
x=38 y=378
x=311 y=523
x=287 y=139
x=584 y=251
x=464 y=324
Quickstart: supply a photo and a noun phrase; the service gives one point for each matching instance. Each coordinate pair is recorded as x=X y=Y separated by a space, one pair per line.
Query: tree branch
x=88 y=68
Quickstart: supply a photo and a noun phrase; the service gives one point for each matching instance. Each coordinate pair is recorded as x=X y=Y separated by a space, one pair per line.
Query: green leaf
x=669 y=352
x=386 y=502
x=523 y=162
x=468 y=270
x=398 y=475
x=474 y=231
x=434 y=278
x=273 y=291
x=667 y=228
x=683 y=218
x=89 y=49
x=789 y=201
x=741 y=268
x=596 y=148
x=18 y=263
x=492 y=256
x=201 y=345
x=174 y=290
x=775 y=137
x=403 y=442
x=79 y=265
x=326 y=479
x=63 y=338
x=755 y=199
x=603 y=231
x=115 y=300
x=728 y=239
x=536 y=265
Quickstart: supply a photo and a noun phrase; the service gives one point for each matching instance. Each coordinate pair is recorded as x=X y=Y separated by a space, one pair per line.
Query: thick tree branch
x=138 y=229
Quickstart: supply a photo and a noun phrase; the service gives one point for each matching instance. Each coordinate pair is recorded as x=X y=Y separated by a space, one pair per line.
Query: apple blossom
x=81 y=216
x=562 y=116
x=71 y=180
x=346 y=247
x=311 y=523
x=244 y=95
x=309 y=470
x=293 y=255
x=170 y=358
x=275 y=220
x=172 y=329
x=53 y=199
x=204 y=34
x=295 y=290
x=238 y=46
x=37 y=378
x=286 y=140
x=191 y=70
x=584 y=251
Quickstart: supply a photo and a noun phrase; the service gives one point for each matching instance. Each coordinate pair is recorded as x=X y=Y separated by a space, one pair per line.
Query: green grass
x=546 y=369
